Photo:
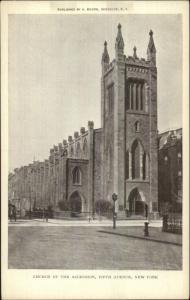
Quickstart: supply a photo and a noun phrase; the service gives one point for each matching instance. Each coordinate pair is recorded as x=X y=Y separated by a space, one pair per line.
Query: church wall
x=139 y=71
x=119 y=133
x=108 y=136
x=135 y=72
x=62 y=179
x=82 y=188
x=142 y=135
x=153 y=139
x=98 y=165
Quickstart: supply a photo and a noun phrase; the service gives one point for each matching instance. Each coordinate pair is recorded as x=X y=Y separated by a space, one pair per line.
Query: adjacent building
x=170 y=171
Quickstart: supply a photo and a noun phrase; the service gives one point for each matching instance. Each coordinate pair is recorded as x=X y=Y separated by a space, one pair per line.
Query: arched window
x=165 y=159
x=179 y=155
x=136 y=152
x=141 y=97
x=145 y=166
x=127 y=98
x=137 y=97
x=71 y=151
x=77 y=177
x=179 y=158
x=137 y=126
x=131 y=95
x=85 y=148
x=78 y=150
x=65 y=152
x=146 y=95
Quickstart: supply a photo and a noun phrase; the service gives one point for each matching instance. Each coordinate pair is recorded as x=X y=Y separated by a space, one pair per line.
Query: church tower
x=129 y=122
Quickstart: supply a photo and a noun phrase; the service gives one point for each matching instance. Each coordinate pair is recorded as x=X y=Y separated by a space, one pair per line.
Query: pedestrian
x=10 y=212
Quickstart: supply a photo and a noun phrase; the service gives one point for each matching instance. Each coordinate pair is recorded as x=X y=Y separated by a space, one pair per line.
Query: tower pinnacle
x=119 y=43
x=105 y=55
x=151 y=50
x=135 y=52
x=151 y=32
x=105 y=58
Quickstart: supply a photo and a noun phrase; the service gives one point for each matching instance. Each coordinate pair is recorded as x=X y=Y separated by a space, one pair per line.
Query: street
x=45 y=246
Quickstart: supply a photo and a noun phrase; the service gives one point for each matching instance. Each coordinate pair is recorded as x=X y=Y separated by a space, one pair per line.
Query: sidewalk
x=61 y=222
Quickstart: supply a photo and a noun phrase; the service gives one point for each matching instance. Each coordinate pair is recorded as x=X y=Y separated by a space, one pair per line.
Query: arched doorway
x=75 y=202
x=137 y=204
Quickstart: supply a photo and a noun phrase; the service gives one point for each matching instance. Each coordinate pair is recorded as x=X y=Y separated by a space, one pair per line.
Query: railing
x=172 y=222
x=82 y=215
x=38 y=214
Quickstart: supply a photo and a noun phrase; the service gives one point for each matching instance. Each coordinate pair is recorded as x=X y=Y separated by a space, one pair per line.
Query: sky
x=55 y=71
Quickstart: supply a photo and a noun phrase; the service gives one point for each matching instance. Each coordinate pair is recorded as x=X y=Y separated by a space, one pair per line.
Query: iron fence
x=172 y=222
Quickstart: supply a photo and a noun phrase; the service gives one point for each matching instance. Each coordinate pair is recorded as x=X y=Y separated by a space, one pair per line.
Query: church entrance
x=136 y=204
x=75 y=202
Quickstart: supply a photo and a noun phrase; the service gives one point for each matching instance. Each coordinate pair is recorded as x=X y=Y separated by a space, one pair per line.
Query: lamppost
x=146 y=232
x=114 y=198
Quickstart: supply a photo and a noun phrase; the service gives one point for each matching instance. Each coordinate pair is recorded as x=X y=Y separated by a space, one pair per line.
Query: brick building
x=120 y=157
x=170 y=171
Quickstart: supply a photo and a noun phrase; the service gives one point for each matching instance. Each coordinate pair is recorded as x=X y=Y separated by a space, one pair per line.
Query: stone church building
x=120 y=157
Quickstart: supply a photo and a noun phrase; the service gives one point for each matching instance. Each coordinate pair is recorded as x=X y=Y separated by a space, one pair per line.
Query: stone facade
x=120 y=157
x=129 y=122
x=67 y=174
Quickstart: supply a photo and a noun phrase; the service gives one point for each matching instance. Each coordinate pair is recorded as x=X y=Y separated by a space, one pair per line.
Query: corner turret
x=151 y=50
x=105 y=58
x=119 y=44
